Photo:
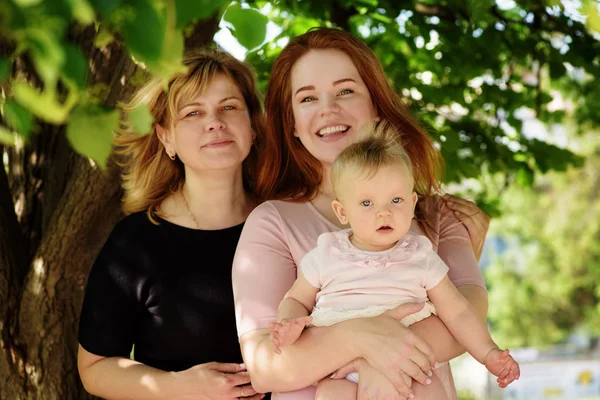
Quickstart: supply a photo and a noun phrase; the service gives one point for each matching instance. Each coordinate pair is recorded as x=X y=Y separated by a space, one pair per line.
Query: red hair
x=287 y=170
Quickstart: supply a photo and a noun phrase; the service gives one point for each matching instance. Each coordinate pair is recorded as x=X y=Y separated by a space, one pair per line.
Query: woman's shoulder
x=279 y=209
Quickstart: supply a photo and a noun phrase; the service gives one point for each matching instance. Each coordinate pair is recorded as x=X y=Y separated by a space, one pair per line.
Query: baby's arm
x=470 y=329
x=293 y=313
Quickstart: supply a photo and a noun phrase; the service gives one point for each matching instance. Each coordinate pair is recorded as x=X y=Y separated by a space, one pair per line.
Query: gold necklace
x=190 y=210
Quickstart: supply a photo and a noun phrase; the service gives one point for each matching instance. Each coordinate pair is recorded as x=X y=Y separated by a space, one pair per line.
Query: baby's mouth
x=385 y=229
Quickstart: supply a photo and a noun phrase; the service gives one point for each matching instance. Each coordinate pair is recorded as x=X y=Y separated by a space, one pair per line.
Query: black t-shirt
x=165 y=289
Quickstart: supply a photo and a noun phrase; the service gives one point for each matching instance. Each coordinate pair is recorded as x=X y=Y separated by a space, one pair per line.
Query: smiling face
x=330 y=102
x=379 y=208
x=211 y=131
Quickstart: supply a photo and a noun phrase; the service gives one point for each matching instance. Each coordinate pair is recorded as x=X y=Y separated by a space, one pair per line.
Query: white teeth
x=333 y=129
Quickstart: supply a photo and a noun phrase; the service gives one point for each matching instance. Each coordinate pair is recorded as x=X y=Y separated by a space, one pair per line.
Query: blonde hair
x=149 y=176
x=379 y=146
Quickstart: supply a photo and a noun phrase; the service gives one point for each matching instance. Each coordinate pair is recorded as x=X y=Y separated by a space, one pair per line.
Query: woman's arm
x=119 y=378
x=456 y=250
x=382 y=341
x=476 y=221
x=263 y=272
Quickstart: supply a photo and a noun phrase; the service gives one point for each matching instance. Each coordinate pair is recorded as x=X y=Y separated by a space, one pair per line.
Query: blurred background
x=507 y=89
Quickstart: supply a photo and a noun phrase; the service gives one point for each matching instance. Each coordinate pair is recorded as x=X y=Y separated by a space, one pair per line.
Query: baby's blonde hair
x=379 y=146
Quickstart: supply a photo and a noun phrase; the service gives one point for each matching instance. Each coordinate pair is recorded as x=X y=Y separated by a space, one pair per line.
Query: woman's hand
x=476 y=221
x=372 y=385
x=392 y=349
x=217 y=381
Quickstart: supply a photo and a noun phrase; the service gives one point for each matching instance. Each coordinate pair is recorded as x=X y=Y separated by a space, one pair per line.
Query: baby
x=378 y=264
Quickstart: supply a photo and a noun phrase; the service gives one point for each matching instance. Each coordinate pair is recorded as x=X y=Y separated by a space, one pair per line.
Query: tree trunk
x=66 y=207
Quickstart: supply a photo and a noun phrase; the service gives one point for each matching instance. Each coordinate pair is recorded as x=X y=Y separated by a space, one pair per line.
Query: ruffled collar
x=341 y=248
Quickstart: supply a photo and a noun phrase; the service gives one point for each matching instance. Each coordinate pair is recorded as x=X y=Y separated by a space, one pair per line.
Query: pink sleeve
x=455 y=249
x=263 y=270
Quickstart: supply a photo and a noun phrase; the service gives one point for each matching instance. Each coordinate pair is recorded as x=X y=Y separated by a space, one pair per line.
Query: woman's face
x=330 y=102
x=212 y=131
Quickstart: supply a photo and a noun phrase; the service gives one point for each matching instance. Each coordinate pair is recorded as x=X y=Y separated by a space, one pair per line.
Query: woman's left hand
x=476 y=221
x=371 y=384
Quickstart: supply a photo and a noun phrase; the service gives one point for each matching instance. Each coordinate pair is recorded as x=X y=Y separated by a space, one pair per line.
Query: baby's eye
x=396 y=200
x=366 y=203
x=345 y=92
x=307 y=99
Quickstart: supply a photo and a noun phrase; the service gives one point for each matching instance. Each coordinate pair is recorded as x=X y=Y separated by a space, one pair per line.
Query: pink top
x=278 y=234
x=354 y=279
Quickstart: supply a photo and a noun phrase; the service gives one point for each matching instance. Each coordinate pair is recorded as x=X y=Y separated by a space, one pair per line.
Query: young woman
x=162 y=282
x=325 y=85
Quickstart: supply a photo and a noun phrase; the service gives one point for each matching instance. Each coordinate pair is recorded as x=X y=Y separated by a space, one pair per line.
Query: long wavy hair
x=149 y=176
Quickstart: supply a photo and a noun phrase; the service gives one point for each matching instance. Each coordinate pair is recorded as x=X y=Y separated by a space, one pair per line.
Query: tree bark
x=69 y=209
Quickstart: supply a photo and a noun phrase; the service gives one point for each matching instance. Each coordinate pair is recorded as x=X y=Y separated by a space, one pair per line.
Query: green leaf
x=105 y=7
x=144 y=31
x=249 y=25
x=381 y=18
x=169 y=63
x=141 y=120
x=103 y=37
x=6 y=136
x=591 y=10
x=47 y=53
x=76 y=67
x=82 y=11
x=525 y=176
x=4 y=69
x=43 y=105
x=18 y=118
x=189 y=10
x=90 y=131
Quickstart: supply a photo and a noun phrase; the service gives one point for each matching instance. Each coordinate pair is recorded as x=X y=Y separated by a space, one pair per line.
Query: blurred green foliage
x=467 y=68
x=548 y=283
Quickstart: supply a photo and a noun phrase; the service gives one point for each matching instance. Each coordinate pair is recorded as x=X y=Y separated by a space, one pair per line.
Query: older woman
x=324 y=86
x=162 y=282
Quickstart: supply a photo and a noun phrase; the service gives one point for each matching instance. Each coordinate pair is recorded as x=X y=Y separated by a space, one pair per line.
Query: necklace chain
x=190 y=211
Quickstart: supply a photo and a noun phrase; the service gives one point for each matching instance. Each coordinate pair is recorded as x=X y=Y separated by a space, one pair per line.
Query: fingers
x=240 y=378
x=427 y=352
x=229 y=368
x=276 y=342
x=245 y=391
x=303 y=320
x=344 y=371
x=465 y=207
x=399 y=383
x=404 y=310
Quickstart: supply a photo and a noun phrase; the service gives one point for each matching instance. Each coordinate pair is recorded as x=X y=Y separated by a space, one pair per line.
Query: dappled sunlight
x=39 y=270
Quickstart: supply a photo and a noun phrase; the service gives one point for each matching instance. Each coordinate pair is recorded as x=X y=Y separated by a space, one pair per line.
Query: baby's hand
x=501 y=364
x=287 y=331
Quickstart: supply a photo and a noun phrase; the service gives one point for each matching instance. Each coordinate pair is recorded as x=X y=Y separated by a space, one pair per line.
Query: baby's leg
x=335 y=389
x=434 y=391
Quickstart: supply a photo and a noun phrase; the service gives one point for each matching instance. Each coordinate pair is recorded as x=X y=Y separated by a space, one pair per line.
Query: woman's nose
x=215 y=124
x=329 y=105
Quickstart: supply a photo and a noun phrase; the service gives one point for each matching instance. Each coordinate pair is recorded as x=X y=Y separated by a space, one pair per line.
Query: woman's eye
x=396 y=200
x=307 y=99
x=366 y=203
x=191 y=114
x=345 y=92
x=228 y=108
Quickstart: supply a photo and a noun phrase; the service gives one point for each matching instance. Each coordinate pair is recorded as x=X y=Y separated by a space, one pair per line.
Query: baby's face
x=379 y=208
